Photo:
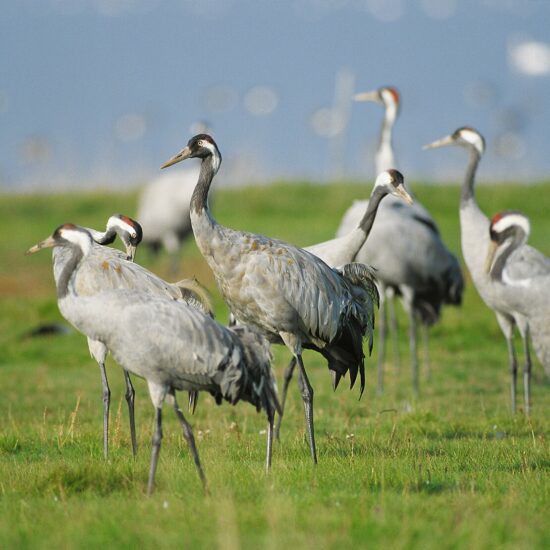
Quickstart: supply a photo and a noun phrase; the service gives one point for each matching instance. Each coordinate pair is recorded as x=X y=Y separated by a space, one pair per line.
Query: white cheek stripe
x=80 y=238
x=474 y=138
x=117 y=222
x=511 y=220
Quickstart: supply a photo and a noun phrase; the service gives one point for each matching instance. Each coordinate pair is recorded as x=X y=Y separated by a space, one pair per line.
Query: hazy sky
x=103 y=91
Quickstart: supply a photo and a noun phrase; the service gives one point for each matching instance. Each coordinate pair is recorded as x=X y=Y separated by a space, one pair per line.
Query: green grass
x=453 y=469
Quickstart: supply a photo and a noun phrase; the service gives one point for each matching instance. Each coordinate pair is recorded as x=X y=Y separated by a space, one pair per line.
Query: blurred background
x=98 y=93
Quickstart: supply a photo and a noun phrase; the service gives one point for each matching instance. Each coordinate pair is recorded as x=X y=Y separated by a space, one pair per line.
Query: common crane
x=343 y=250
x=286 y=292
x=524 y=285
x=170 y=344
x=407 y=250
x=474 y=237
x=107 y=268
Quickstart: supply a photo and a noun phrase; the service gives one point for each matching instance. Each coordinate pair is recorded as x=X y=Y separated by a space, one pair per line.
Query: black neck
x=500 y=262
x=199 y=200
x=68 y=270
x=469 y=179
x=378 y=193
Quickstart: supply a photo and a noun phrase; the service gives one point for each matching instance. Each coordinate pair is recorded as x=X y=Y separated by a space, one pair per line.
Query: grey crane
x=128 y=230
x=106 y=268
x=170 y=344
x=289 y=294
x=524 y=285
x=406 y=248
x=474 y=236
x=343 y=250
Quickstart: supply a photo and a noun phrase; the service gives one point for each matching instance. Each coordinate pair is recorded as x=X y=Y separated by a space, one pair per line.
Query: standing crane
x=418 y=265
x=163 y=211
x=343 y=250
x=172 y=345
x=290 y=295
x=107 y=268
x=474 y=237
x=523 y=281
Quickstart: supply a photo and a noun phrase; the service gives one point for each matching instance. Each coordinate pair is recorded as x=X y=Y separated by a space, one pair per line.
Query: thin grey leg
x=269 y=442
x=307 y=397
x=383 y=331
x=414 y=354
x=188 y=435
x=513 y=371
x=130 y=396
x=426 y=344
x=288 y=377
x=394 y=331
x=193 y=400
x=157 y=438
x=106 y=405
x=527 y=374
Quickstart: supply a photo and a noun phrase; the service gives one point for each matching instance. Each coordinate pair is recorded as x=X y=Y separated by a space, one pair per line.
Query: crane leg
x=288 y=377
x=414 y=354
x=189 y=438
x=383 y=331
x=426 y=344
x=393 y=330
x=193 y=400
x=269 y=453
x=130 y=399
x=157 y=438
x=513 y=370
x=307 y=397
x=527 y=374
x=106 y=405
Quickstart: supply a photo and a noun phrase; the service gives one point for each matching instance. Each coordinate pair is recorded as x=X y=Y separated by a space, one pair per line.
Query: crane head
x=65 y=235
x=129 y=231
x=464 y=136
x=200 y=146
x=392 y=181
x=504 y=226
x=387 y=96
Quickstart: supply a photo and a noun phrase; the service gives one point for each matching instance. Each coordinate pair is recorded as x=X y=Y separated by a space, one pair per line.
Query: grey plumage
x=171 y=345
x=474 y=236
x=287 y=293
x=523 y=284
x=406 y=249
x=342 y=251
x=106 y=268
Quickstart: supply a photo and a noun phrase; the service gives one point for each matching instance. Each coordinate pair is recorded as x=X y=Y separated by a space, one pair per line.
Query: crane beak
x=131 y=252
x=493 y=245
x=46 y=243
x=447 y=140
x=368 y=96
x=401 y=192
x=182 y=155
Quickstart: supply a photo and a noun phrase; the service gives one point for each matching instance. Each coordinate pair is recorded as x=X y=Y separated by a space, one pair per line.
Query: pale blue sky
x=105 y=90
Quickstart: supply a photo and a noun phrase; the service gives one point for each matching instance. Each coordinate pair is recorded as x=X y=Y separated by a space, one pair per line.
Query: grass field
x=453 y=469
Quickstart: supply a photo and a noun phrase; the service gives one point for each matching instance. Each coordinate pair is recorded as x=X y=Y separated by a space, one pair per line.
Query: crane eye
x=200 y=143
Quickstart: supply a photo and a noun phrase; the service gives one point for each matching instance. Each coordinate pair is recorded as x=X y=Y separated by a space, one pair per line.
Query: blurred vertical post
x=343 y=91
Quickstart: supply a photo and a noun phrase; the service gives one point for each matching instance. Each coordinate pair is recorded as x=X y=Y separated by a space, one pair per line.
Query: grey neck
x=500 y=262
x=199 y=200
x=467 y=193
x=76 y=255
x=378 y=193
